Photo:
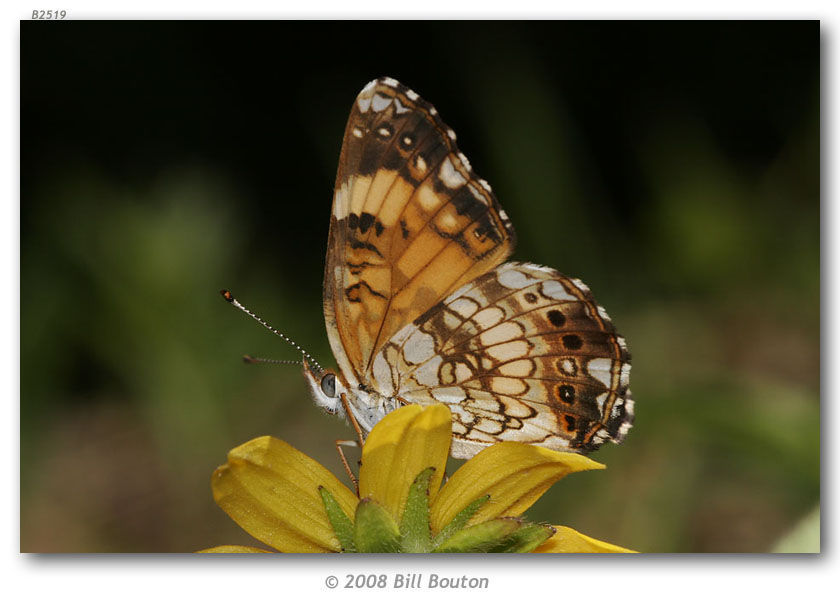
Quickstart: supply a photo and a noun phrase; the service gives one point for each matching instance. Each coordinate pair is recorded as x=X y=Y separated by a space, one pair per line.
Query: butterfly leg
x=353 y=420
x=338 y=447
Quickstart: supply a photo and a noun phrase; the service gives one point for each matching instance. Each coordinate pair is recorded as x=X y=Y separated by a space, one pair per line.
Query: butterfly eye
x=328 y=385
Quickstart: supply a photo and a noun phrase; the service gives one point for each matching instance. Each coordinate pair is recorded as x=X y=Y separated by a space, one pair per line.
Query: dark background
x=673 y=166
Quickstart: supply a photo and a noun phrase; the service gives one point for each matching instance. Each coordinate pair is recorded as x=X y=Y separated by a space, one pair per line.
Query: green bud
x=376 y=530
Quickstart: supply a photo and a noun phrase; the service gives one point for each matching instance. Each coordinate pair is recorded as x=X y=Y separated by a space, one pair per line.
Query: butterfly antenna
x=255 y=360
x=229 y=297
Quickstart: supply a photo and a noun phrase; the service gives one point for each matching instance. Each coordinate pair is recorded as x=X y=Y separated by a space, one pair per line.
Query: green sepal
x=416 y=533
x=527 y=538
x=341 y=523
x=481 y=537
x=376 y=530
x=458 y=521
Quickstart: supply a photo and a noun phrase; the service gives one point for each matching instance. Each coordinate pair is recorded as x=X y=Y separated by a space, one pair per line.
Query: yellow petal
x=401 y=445
x=233 y=550
x=515 y=475
x=271 y=490
x=568 y=540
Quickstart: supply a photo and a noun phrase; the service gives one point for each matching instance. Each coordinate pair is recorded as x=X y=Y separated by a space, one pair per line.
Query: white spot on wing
x=450 y=177
x=449 y=395
x=379 y=103
x=364 y=104
x=514 y=279
x=427 y=373
x=554 y=289
x=464 y=307
x=489 y=317
x=357 y=132
x=600 y=369
x=390 y=81
x=419 y=347
x=411 y=95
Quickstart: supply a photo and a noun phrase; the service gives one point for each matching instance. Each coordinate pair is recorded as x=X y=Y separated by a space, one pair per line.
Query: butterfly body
x=421 y=307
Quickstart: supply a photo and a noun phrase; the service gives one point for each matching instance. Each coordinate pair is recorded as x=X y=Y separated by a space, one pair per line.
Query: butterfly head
x=326 y=387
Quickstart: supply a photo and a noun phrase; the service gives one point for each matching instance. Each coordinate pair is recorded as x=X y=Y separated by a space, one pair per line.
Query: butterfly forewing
x=410 y=223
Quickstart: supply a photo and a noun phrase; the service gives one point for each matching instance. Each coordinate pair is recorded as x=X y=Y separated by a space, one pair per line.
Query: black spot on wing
x=572 y=342
x=556 y=317
x=365 y=221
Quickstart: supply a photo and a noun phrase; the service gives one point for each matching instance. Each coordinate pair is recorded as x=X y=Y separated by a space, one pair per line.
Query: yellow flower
x=293 y=504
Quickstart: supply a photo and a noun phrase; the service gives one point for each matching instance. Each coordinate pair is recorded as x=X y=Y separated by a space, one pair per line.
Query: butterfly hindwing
x=410 y=223
x=521 y=353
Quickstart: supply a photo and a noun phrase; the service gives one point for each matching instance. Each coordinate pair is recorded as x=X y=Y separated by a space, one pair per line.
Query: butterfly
x=421 y=307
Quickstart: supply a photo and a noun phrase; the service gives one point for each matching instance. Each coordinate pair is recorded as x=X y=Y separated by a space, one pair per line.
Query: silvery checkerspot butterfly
x=421 y=307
